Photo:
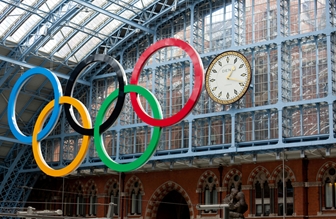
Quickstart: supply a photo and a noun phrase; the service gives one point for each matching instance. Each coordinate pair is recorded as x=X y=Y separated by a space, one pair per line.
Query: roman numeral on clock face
x=213 y=89
x=220 y=94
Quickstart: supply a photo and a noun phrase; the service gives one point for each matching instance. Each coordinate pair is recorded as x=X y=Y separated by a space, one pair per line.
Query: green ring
x=99 y=143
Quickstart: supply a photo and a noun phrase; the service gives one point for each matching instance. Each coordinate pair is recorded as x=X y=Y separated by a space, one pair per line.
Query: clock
x=228 y=77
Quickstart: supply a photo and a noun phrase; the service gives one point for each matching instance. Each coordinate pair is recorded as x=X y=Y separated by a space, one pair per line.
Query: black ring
x=121 y=97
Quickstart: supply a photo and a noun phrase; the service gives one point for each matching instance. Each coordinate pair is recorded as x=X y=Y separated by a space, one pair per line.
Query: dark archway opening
x=173 y=206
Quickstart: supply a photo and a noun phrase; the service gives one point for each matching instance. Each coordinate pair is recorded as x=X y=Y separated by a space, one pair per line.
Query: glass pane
x=133 y=207
x=83 y=206
x=77 y=210
x=258 y=210
x=289 y=189
x=289 y=210
x=116 y=201
x=328 y=195
x=207 y=197
x=139 y=203
x=214 y=196
x=280 y=209
x=280 y=189
x=267 y=210
x=258 y=190
x=91 y=205
x=266 y=190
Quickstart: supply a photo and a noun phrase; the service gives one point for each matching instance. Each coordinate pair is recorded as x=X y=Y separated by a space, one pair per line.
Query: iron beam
x=26 y=65
x=117 y=17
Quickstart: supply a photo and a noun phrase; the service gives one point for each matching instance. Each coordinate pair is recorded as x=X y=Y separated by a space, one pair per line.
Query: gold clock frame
x=248 y=82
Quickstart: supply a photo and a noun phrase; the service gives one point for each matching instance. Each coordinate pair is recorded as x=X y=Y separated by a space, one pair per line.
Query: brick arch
x=204 y=176
x=278 y=170
x=108 y=184
x=160 y=193
x=89 y=184
x=130 y=182
x=323 y=169
x=255 y=172
x=229 y=175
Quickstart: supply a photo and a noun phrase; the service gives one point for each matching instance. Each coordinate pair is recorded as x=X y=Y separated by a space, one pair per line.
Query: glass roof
x=76 y=37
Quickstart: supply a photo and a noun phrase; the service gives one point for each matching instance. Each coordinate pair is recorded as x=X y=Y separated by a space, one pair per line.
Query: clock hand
x=234 y=79
x=232 y=69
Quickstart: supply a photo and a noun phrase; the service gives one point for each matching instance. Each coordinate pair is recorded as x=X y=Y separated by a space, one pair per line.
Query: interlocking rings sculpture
x=53 y=109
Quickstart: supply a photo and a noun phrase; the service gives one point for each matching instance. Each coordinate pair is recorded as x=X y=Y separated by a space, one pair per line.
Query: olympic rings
x=157 y=112
x=121 y=97
x=85 y=142
x=40 y=131
x=199 y=77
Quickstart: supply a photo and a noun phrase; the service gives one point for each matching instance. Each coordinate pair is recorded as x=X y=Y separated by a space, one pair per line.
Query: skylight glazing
x=89 y=28
x=77 y=37
x=23 y=18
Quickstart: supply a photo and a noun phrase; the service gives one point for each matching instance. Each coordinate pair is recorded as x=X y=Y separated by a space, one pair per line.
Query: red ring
x=199 y=78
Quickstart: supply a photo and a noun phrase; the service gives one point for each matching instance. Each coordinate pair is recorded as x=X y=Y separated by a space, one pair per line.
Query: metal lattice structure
x=290 y=105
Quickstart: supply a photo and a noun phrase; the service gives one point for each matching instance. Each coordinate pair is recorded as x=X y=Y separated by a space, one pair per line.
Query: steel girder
x=12 y=177
x=11 y=188
x=67 y=38
x=115 y=42
x=14 y=180
x=34 y=38
x=23 y=18
x=117 y=17
x=28 y=66
x=18 y=55
x=116 y=36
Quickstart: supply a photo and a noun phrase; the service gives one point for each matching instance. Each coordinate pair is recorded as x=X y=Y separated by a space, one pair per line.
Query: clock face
x=228 y=77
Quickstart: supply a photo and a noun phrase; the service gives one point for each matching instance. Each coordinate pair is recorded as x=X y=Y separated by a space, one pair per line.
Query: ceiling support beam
x=117 y=17
x=26 y=65
x=14 y=140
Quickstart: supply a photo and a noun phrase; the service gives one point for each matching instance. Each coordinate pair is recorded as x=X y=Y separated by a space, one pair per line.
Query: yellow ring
x=85 y=142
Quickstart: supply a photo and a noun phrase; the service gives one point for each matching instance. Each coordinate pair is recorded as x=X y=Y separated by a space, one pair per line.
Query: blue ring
x=13 y=98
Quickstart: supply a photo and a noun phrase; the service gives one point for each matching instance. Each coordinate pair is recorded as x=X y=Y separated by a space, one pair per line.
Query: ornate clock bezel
x=246 y=87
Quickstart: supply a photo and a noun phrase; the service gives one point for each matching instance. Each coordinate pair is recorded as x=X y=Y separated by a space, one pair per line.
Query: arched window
x=262 y=196
x=135 y=199
x=209 y=196
x=235 y=183
x=114 y=197
x=285 y=197
x=67 y=205
x=330 y=188
x=93 y=201
x=80 y=202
